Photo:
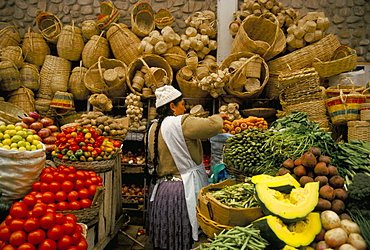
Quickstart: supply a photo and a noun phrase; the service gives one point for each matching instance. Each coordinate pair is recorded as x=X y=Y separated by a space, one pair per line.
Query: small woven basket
x=35 y=48
x=11 y=113
x=239 y=175
x=63 y=100
x=163 y=18
x=142 y=19
x=94 y=48
x=109 y=15
x=89 y=28
x=89 y=216
x=210 y=227
x=189 y=89
x=49 y=25
x=76 y=84
x=23 y=98
x=176 y=57
x=365 y=111
x=335 y=91
x=359 y=130
x=69 y=117
x=30 y=76
x=9 y=35
x=14 y=54
x=70 y=43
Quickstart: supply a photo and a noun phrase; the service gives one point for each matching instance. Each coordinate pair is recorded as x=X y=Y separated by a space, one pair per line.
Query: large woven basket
x=9 y=76
x=94 y=48
x=14 y=54
x=304 y=57
x=142 y=19
x=359 y=130
x=335 y=91
x=11 y=113
x=337 y=65
x=176 y=57
x=29 y=76
x=76 y=84
x=89 y=216
x=9 y=35
x=123 y=42
x=239 y=75
x=35 y=48
x=49 y=25
x=210 y=227
x=22 y=97
x=148 y=61
x=259 y=35
x=70 y=43
x=365 y=111
x=189 y=89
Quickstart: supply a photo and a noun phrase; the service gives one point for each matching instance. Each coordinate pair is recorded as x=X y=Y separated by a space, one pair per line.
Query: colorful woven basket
x=142 y=19
x=163 y=18
x=49 y=25
x=342 y=88
x=108 y=15
x=63 y=100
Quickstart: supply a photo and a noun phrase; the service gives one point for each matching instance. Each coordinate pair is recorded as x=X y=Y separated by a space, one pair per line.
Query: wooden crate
x=110 y=216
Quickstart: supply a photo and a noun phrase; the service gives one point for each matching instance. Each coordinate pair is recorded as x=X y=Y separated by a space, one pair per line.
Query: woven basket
x=296 y=75
x=273 y=87
x=70 y=43
x=176 y=57
x=345 y=107
x=336 y=66
x=9 y=36
x=365 y=111
x=335 y=91
x=149 y=61
x=9 y=76
x=210 y=227
x=304 y=57
x=258 y=112
x=14 y=54
x=163 y=18
x=63 y=100
x=97 y=46
x=68 y=118
x=89 y=28
x=49 y=25
x=239 y=76
x=358 y=130
x=30 y=76
x=259 y=35
x=90 y=215
x=94 y=79
x=23 y=98
x=142 y=19
x=96 y=166
x=35 y=48
x=76 y=84
x=108 y=15
x=123 y=42
x=11 y=113
x=189 y=89
x=239 y=175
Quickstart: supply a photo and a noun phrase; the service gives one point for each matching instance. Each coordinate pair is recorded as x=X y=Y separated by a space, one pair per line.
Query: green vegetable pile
x=237 y=238
x=237 y=196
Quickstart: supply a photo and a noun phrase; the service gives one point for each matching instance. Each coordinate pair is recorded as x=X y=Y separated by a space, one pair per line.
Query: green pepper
x=65 y=157
x=64 y=151
x=69 y=153
x=73 y=158
x=79 y=153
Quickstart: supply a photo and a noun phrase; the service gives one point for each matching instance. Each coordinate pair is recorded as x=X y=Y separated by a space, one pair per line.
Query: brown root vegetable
x=332 y=170
x=322 y=179
x=345 y=216
x=320 y=236
x=323 y=204
x=324 y=158
x=298 y=161
x=338 y=206
x=349 y=226
x=283 y=171
x=347 y=246
x=316 y=151
x=322 y=245
x=336 y=237
x=341 y=194
x=357 y=241
x=288 y=163
x=295 y=176
x=310 y=173
x=321 y=169
x=327 y=192
x=330 y=219
x=336 y=181
x=309 y=160
x=300 y=170
x=305 y=179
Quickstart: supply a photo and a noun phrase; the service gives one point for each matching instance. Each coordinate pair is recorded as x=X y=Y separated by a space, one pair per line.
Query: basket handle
x=236 y=73
x=276 y=31
x=7 y=59
x=349 y=79
x=363 y=92
x=9 y=26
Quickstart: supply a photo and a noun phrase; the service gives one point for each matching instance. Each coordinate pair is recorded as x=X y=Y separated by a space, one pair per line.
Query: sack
x=19 y=169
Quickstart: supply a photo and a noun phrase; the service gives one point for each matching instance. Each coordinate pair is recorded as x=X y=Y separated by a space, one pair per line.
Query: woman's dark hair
x=162 y=112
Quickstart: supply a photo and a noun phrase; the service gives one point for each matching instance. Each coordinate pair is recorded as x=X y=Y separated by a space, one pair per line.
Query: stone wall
x=350 y=19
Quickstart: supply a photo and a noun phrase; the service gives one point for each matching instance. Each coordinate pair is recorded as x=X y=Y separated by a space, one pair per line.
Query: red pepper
x=57 y=142
x=94 y=153
x=63 y=139
x=84 y=148
x=74 y=148
x=60 y=156
x=79 y=138
x=68 y=136
x=90 y=148
x=98 y=150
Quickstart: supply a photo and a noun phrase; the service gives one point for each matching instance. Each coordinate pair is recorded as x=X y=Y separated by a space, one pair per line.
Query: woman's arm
x=200 y=128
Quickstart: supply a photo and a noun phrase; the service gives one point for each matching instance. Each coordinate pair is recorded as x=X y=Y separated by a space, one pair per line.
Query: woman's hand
x=223 y=116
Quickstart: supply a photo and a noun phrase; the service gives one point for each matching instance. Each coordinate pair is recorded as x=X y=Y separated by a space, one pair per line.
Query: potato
x=336 y=237
x=330 y=219
x=357 y=241
x=346 y=246
x=349 y=226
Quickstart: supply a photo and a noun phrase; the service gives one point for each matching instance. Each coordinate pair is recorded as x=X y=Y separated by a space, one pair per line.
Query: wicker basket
x=96 y=166
x=109 y=15
x=76 y=84
x=176 y=57
x=89 y=216
x=210 y=227
x=9 y=76
x=35 y=48
x=239 y=175
x=68 y=118
x=163 y=18
x=259 y=35
x=335 y=91
x=359 y=130
x=189 y=89
x=123 y=42
x=304 y=57
x=29 y=76
x=14 y=54
x=258 y=112
x=365 y=111
x=94 y=48
x=70 y=43
x=89 y=28
x=11 y=113
x=23 y=98
x=49 y=25
x=9 y=35
x=142 y=19
x=239 y=75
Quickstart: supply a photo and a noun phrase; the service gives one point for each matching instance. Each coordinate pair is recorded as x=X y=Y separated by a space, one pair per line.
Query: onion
x=34 y=115
x=46 y=121
x=49 y=140
x=336 y=237
x=53 y=128
x=28 y=120
x=44 y=132
x=36 y=126
x=22 y=124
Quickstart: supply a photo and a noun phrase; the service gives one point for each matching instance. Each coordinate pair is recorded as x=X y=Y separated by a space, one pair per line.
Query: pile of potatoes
x=313 y=166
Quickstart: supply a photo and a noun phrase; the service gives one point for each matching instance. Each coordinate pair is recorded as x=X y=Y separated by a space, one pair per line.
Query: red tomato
x=67 y=186
x=8 y=247
x=65 y=171
x=36 y=237
x=47 y=221
x=55 y=232
x=16 y=224
x=80 y=175
x=62 y=206
x=82 y=245
x=60 y=218
x=61 y=167
x=53 y=206
x=72 y=196
x=51 y=209
x=47 y=177
x=85 y=203
x=72 y=169
x=60 y=196
x=74 y=205
x=83 y=193
x=48 y=197
x=39 y=209
x=87 y=174
x=88 y=183
x=60 y=177
x=72 y=217
x=92 y=190
x=2 y=244
x=100 y=179
x=5 y=233
x=47 y=244
x=73 y=248
x=79 y=184
x=30 y=200
x=29 y=214
x=48 y=170
x=65 y=242
x=26 y=246
x=44 y=187
x=76 y=237
x=18 y=210
x=17 y=238
x=8 y=219
x=72 y=177
x=31 y=224
x=92 y=173
x=69 y=227
x=55 y=186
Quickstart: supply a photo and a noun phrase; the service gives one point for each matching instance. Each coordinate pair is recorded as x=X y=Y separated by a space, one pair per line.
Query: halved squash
x=283 y=183
x=296 y=234
x=290 y=207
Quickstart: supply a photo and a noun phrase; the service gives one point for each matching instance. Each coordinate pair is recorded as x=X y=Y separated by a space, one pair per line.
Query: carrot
x=238 y=130
x=252 y=119
x=227 y=122
x=235 y=123
x=243 y=126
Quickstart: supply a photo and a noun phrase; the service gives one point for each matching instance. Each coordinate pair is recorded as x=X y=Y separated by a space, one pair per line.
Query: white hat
x=166 y=94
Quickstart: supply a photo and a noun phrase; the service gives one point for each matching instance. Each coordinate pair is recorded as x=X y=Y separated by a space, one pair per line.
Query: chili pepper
x=73 y=158
x=79 y=153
